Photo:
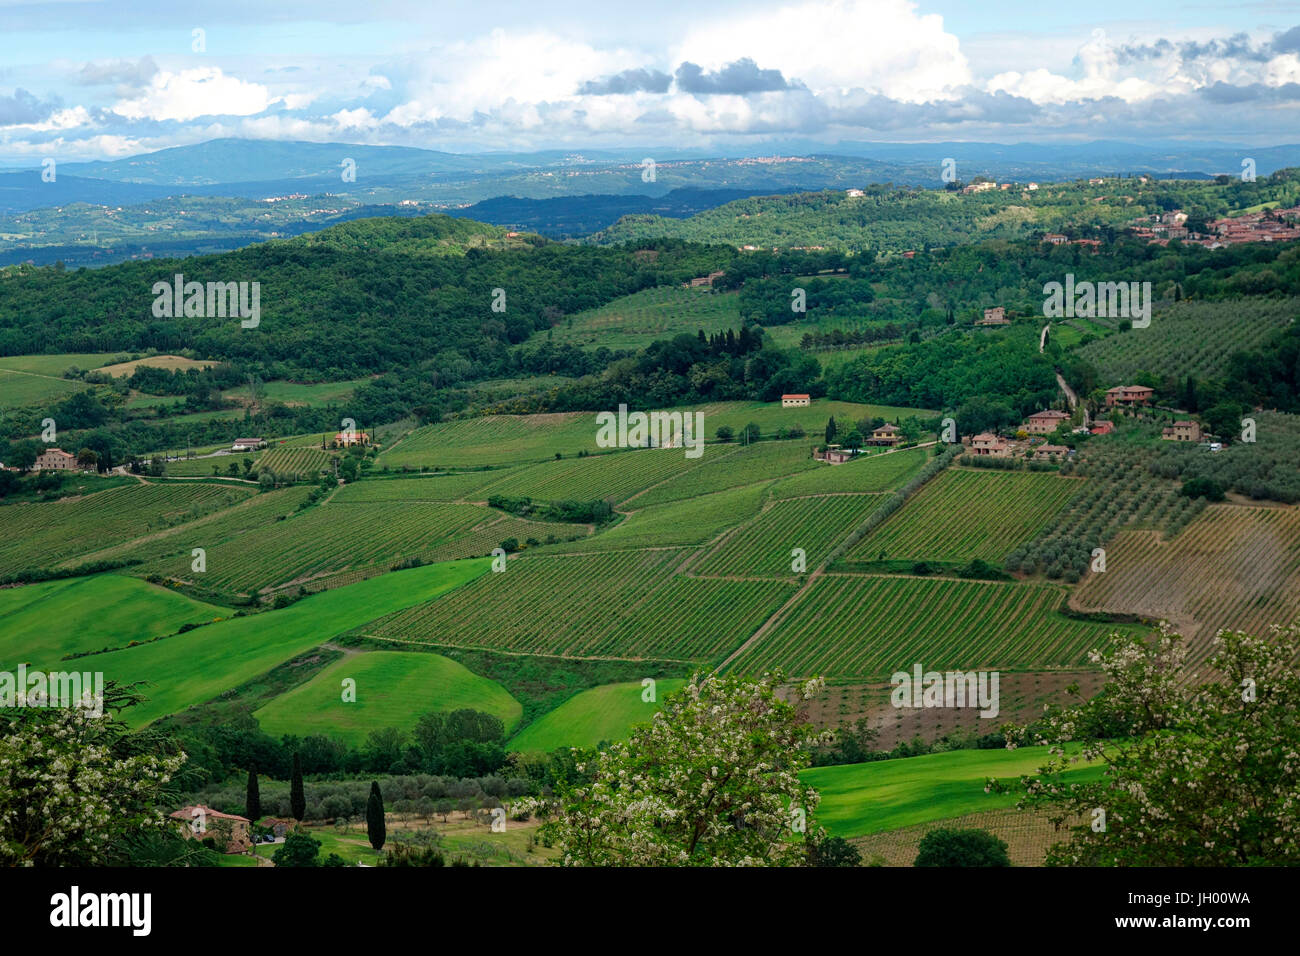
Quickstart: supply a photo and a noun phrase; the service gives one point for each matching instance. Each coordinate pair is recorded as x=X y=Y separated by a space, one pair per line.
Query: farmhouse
x=346 y=438
x=1182 y=430
x=1056 y=239
x=1128 y=395
x=1102 y=427
x=886 y=434
x=248 y=444
x=1045 y=422
x=55 y=459
x=229 y=832
x=1051 y=451
x=795 y=401
x=994 y=316
x=989 y=445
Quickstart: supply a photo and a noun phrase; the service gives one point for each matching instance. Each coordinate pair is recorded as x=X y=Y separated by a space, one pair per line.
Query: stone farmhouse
x=55 y=459
x=994 y=316
x=1129 y=395
x=230 y=833
x=1182 y=430
x=1045 y=422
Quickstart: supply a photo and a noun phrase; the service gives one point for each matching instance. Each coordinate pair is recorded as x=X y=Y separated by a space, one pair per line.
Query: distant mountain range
x=560 y=194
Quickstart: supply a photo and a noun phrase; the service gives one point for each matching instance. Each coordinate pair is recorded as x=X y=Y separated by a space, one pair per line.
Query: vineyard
x=614 y=476
x=286 y=461
x=18 y=389
x=1190 y=338
x=764 y=545
x=867 y=473
x=338 y=537
x=964 y=514
x=494 y=440
x=1233 y=566
x=872 y=626
x=731 y=466
x=42 y=535
x=441 y=487
x=625 y=605
x=634 y=321
x=691 y=521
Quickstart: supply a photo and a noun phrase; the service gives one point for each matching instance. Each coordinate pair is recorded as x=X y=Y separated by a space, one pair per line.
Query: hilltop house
x=1128 y=395
x=248 y=444
x=795 y=401
x=886 y=434
x=989 y=445
x=1182 y=430
x=994 y=316
x=55 y=459
x=229 y=832
x=344 y=439
x=1045 y=422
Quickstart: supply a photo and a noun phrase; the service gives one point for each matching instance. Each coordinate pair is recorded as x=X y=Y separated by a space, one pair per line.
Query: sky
x=103 y=80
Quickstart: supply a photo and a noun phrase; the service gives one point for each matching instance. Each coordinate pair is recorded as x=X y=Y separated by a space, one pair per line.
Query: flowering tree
x=1197 y=774
x=713 y=780
x=74 y=788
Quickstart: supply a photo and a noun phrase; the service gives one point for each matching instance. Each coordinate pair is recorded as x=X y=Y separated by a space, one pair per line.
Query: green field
x=56 y=365
x=605 y=713
x=295 y=393
x=764 y=545
x=43 y=622
x=613 y=477
x=634 y=321
x=626 y=605
x=393 y=689
x=863 y=798
x=191 y=668
x=871 y=626
x=45 y=534
x=963 y=514
x=442 y=487
x=18 y=389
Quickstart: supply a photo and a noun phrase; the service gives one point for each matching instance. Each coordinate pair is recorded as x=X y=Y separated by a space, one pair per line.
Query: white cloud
x=206 y=91
x=882 y=46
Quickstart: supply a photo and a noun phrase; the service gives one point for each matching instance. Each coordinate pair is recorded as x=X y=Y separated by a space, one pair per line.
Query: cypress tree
x=375 y=829
x=253 y=798
x=297 y=799
x=830 y=430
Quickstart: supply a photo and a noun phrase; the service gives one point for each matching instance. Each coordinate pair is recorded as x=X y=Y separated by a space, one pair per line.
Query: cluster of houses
x=1267 y=226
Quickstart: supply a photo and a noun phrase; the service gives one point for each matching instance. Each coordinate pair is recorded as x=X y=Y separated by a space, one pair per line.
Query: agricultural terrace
x=199 y=665
x=40 y=535
x=109 y=611
x=393 y=689
x=963 y=514
x=872 y=626
x=1190 y=338
x=764 y=546
x=635 y=321
x=337 y=537
x=1234 y=566
x=594 y=716
x=624 y=605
